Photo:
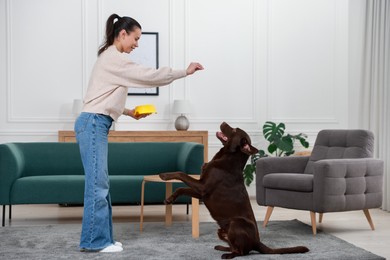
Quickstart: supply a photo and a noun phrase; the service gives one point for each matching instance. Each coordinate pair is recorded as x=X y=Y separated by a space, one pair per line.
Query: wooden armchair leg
x=320 y=217
x=368 y=216
x=313 y=222
x=267 y=215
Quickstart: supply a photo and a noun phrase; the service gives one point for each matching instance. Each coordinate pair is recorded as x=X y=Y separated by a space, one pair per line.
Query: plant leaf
x=290 y=153
x=285 y=144
x=273 y=132
x=248 y=174
x=268 y=129
x=303 y=142
x=262 y=154
x=272 y=148
x=254 y=158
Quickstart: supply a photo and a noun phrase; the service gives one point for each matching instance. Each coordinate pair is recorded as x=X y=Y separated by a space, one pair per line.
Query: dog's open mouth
x=222 y=137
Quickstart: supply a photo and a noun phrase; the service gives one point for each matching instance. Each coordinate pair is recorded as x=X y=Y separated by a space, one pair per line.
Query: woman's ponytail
x=113 y=28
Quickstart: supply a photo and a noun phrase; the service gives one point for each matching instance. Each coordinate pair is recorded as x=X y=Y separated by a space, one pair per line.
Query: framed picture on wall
x=147 y=55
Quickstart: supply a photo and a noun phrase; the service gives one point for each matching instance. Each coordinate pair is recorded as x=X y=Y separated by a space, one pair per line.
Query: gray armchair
x=339 y=175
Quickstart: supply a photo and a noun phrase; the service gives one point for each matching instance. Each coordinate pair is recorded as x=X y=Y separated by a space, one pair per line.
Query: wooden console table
x=148 y=136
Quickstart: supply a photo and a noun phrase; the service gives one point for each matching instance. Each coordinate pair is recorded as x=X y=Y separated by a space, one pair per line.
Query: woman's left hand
x=136 y=116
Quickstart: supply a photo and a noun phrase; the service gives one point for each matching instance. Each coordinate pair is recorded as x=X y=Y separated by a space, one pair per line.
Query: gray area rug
x=175 y=242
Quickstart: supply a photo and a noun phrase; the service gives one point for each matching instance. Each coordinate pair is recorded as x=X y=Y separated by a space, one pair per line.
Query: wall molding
x=8 y=58
x=337 y=80
x=84 y=44
x=306 y=120
x=11 y=117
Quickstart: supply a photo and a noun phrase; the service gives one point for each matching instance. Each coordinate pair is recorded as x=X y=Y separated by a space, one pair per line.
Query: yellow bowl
x=145 y=109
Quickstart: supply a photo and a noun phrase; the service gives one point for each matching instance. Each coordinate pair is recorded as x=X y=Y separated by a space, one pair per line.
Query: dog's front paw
x=166 y=176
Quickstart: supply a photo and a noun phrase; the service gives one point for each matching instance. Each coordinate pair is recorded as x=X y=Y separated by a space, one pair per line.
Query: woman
x=104 y=102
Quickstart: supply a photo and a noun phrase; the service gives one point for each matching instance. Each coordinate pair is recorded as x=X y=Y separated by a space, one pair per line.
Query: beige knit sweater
x=113 y=73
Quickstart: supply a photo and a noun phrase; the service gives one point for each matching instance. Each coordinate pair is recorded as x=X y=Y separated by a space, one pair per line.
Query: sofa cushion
x=48 y=189
x=289 y=181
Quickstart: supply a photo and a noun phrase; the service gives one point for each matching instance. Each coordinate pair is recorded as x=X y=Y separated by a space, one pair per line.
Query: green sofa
x=52 y=173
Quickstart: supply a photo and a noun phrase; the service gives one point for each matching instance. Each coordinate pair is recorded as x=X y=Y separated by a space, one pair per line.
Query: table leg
x=142 y=206
x=168 y=207
x=195 y=217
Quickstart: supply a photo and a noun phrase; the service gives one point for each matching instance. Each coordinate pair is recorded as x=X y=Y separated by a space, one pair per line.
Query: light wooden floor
x=350 y=226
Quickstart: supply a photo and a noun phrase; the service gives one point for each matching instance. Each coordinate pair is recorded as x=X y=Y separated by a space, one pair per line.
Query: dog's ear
x=249 y=149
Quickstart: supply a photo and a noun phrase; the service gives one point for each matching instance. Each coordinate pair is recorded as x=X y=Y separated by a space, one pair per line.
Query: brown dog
x=221 y=188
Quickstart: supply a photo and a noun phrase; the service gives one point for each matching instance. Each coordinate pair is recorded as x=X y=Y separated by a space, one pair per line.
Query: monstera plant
x=280 y=144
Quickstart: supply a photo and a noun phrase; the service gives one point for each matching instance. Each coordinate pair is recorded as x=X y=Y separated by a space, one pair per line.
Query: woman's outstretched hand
x=194 y=66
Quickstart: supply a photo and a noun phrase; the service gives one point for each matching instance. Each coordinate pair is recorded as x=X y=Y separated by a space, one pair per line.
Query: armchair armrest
x=293 y=164
x=190 y=158
x=347 y=184
x=269 y=165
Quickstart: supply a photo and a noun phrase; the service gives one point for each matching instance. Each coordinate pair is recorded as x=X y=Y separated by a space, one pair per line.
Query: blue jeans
x=92 y=135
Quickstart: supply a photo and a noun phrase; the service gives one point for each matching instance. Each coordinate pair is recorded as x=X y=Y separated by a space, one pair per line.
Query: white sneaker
x=111 y=249
x=118 y=244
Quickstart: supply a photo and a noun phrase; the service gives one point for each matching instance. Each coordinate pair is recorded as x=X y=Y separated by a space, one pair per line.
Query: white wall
x=280 y=60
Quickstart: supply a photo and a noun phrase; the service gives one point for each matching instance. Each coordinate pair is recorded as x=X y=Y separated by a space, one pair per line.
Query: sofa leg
x=267 y=215
x=3 y=221
x=368 y=216
x=9 y=212
x=313 y=222
x=188 y=208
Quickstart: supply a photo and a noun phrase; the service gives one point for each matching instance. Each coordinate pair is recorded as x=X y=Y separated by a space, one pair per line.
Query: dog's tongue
x=222 y=136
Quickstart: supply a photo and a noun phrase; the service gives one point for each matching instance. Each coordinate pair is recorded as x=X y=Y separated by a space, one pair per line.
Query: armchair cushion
x=289 y=181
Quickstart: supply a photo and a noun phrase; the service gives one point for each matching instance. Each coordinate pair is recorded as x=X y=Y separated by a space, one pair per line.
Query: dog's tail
x=287 y=250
